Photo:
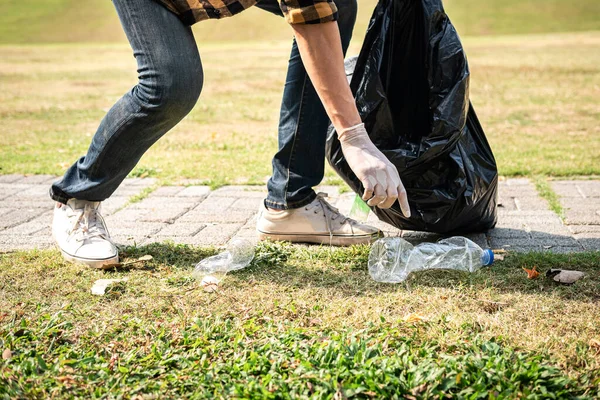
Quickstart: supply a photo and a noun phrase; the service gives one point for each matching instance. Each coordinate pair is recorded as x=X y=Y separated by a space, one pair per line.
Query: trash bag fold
x=411 y=84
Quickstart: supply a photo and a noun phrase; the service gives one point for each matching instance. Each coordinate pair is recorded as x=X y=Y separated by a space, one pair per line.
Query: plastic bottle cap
x=487 y=258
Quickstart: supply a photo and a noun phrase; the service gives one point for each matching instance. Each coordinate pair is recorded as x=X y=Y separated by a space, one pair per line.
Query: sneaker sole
x=320 y=239
x=94 y=263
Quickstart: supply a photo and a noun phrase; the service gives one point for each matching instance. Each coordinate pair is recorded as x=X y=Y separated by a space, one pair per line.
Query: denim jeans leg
x=170 y=81
x=299 y=164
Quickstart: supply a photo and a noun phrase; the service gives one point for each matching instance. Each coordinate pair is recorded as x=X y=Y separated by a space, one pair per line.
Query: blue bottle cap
x=487 y=258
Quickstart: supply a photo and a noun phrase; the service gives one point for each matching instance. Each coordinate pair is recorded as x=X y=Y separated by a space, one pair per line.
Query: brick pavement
x=195 y=215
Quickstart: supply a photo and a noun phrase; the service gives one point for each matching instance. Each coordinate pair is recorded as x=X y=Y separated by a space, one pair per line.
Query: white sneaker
x=80 y=232
x=317 y=222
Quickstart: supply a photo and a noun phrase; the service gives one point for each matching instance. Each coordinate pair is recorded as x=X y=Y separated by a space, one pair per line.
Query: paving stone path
x=195 y=215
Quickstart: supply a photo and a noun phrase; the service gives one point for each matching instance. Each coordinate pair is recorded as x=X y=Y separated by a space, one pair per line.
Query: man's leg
x=170 y=81
x=301 y=215
x=299 y=163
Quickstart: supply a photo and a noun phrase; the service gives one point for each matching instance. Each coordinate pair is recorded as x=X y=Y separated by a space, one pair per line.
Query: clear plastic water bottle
x=211 y=271
x=391 y=260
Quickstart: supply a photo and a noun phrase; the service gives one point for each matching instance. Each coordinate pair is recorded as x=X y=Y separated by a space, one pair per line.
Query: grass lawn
x=51 y=21
x=298 y=323
x=536 y=96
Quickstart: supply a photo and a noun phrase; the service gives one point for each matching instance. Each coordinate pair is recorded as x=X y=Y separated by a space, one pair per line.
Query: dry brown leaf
x=492 y=306
x=595 y=344
x=418 y=389
x=531 y=273
x=414 y=318
x=499 y=251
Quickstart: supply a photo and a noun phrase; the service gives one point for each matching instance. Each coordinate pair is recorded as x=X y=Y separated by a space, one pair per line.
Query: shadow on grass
x=345 y=270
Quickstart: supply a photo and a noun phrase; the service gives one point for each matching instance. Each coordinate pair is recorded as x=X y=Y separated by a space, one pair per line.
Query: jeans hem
x=61 y=198
x=290 y=206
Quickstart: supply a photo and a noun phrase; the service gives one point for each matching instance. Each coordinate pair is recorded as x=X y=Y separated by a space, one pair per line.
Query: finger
x=403 y=200
x=392 y=196
x=380 y=195
x=369 y=185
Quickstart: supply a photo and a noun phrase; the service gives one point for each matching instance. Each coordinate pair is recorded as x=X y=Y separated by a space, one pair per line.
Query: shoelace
x=88 y=224
x=333 y=214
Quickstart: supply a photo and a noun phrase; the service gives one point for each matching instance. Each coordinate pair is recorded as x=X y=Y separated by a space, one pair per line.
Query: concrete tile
x=128 y=215
x=246 y=204
x=166 y=214
x=28 y=204
x=19 y=216
x=511 y=243
x=589 y=188
x=180 y=229
x=166 y=191
x=583 y=229
x=216 y=203
x=160 y=203
x=255 y=192
x=531 y=204
x=231 y=216
x=527 y=214
x=563 y=249
x=577 y=188
x=510 y=222
x=521 y=249
x=509 y=233
x=112 y=204
x=37 y=224
x=194 y=191
x=580 y=217
x=589 y=241
x=548 y=229
x=145 y=230
x=555 y=241
x=11 y=178
x=36 y=192
x=141 y=182
x=214 y=235
x=39 y=179
x=516 y=182
x=128 y=191
x=12 y=190
x=567 y=189
x=587 y=204
x=24 y=242
x=507 y=204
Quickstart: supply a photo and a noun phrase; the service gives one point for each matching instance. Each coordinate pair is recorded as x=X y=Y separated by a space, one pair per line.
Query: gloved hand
x=378 y=175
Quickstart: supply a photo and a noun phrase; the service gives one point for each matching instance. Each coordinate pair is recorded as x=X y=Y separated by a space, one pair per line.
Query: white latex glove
x=378 y=175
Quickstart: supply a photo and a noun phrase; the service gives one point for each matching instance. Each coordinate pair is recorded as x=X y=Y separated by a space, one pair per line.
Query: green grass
x=299 y=322
x=546 y=192
x=535 y=95
x=28 y=21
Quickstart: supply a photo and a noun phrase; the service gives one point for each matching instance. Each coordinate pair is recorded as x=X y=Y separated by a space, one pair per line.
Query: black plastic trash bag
x=411 y=83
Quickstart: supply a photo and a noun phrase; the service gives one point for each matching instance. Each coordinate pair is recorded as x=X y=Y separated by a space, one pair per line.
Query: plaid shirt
x=295 y=11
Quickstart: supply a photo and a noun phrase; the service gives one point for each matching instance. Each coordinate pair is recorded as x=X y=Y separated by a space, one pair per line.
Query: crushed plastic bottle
x=211 y=271
x=391 y=260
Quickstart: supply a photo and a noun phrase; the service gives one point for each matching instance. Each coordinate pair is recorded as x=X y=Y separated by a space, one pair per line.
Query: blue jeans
x=170 y=81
